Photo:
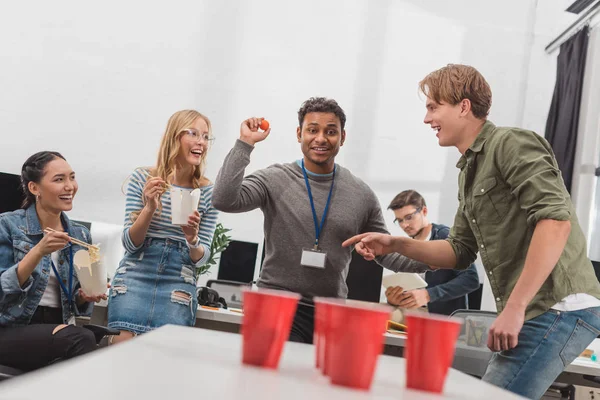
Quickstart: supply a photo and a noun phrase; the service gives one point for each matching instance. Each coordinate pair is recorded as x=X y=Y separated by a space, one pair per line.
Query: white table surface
x=176 y=362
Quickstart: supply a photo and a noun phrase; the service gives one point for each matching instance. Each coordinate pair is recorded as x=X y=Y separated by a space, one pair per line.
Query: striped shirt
x=161 y=226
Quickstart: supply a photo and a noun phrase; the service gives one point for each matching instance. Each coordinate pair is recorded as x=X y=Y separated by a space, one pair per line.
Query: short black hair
x=321 y=105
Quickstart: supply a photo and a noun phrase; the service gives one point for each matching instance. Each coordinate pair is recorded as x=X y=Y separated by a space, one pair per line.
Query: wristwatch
x=195 y=245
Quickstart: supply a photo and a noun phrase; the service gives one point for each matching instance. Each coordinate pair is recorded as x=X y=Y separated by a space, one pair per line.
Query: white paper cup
x=91 y=276
x=183 y=204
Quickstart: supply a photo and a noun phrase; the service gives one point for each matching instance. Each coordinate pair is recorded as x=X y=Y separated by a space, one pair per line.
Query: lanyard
x=318 y=227
x=68 y=293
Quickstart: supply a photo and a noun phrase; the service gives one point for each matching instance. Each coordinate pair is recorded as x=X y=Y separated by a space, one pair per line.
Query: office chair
x=474 y=334
x=99 y=333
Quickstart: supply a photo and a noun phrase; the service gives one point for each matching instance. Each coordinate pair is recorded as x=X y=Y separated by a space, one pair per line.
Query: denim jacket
x=448 y=288
x=20 y=231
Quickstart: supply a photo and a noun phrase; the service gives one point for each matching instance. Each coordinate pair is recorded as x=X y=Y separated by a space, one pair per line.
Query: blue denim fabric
x=20 y=231
x=448 y=288
x=547 y=344
x=152 y=287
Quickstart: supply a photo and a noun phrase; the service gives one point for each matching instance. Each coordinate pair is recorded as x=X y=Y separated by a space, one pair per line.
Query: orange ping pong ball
x=264 y=125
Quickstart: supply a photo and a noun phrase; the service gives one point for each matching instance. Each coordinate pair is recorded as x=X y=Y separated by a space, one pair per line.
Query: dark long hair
x=33 y=171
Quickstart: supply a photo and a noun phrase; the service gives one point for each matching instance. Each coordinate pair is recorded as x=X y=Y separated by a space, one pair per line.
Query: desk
x=575 y=372
x=474 y=360
x=221 y=315
x=219 y=320
x=175 y=362
x=585 y=366
x=470 y=360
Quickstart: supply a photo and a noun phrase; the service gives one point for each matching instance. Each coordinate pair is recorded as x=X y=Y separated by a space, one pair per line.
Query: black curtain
x=563 y=118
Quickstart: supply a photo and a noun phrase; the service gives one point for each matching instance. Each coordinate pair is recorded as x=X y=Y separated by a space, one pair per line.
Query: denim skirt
x=153 y=287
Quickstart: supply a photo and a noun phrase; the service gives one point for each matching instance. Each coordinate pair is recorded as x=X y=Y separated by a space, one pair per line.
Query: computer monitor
x=596 y=265
x=12 y=197
x=237 y=262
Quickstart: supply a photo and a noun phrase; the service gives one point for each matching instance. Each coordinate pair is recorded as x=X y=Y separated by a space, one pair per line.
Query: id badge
x=313 y=258
x=71 y=319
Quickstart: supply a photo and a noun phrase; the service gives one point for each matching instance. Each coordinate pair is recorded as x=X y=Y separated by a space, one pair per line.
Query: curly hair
x=321 y=105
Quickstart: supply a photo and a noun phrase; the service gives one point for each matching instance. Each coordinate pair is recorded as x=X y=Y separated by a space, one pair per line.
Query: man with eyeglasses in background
x=447 y=289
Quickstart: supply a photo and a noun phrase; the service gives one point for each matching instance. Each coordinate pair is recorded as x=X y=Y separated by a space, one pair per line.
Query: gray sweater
x=280 y=192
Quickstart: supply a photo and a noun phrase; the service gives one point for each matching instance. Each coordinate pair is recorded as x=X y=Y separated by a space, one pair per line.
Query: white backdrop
x=99 y=81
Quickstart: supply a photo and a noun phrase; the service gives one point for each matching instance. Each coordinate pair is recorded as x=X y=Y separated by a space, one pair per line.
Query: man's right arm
x=232 y=192
x=458 y=251
x=437 y=253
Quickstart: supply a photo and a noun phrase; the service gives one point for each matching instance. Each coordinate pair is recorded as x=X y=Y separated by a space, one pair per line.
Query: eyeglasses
x=408 y=217
x=197 y=136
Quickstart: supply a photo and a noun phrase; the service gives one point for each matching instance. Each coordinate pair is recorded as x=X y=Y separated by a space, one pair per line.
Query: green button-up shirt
x=508 y=181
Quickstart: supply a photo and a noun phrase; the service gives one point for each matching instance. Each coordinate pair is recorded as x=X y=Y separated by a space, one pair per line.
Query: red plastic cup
x=318 y=336
x=354 y=342
x=321 y=331
x=430 y=346
x=266 y=324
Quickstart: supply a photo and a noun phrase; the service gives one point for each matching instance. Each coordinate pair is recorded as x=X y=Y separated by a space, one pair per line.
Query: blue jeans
x=547 y=344
x=153 y=287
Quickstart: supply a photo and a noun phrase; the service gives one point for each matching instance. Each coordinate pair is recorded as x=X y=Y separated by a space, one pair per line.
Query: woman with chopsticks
x=40 y=294
x=155 y=283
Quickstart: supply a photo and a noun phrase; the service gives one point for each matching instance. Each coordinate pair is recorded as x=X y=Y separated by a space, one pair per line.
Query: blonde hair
x=456 y=82
x=169 y=151
x=170 y=146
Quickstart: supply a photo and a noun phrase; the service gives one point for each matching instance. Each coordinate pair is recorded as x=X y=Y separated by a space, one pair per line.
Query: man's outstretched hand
x=371 y=244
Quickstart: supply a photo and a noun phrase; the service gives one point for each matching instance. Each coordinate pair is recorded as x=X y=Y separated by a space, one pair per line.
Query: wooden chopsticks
x=76 y=241
x=167 y=184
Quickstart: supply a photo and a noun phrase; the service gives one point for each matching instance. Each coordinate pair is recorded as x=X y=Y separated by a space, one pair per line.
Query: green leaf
x=219 y=243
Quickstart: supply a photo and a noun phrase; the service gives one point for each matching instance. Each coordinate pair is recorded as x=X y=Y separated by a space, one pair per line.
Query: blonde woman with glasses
x=155 y=283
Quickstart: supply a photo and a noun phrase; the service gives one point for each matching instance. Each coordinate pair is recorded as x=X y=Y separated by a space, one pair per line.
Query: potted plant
x=219 y=244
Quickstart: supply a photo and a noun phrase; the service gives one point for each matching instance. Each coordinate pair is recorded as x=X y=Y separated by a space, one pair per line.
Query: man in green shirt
x=515 y=211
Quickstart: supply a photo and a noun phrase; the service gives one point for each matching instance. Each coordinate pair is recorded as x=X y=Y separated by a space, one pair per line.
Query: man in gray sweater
x=310 y=207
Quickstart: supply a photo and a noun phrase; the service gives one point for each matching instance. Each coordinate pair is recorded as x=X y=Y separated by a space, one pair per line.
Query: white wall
x=98 y=83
